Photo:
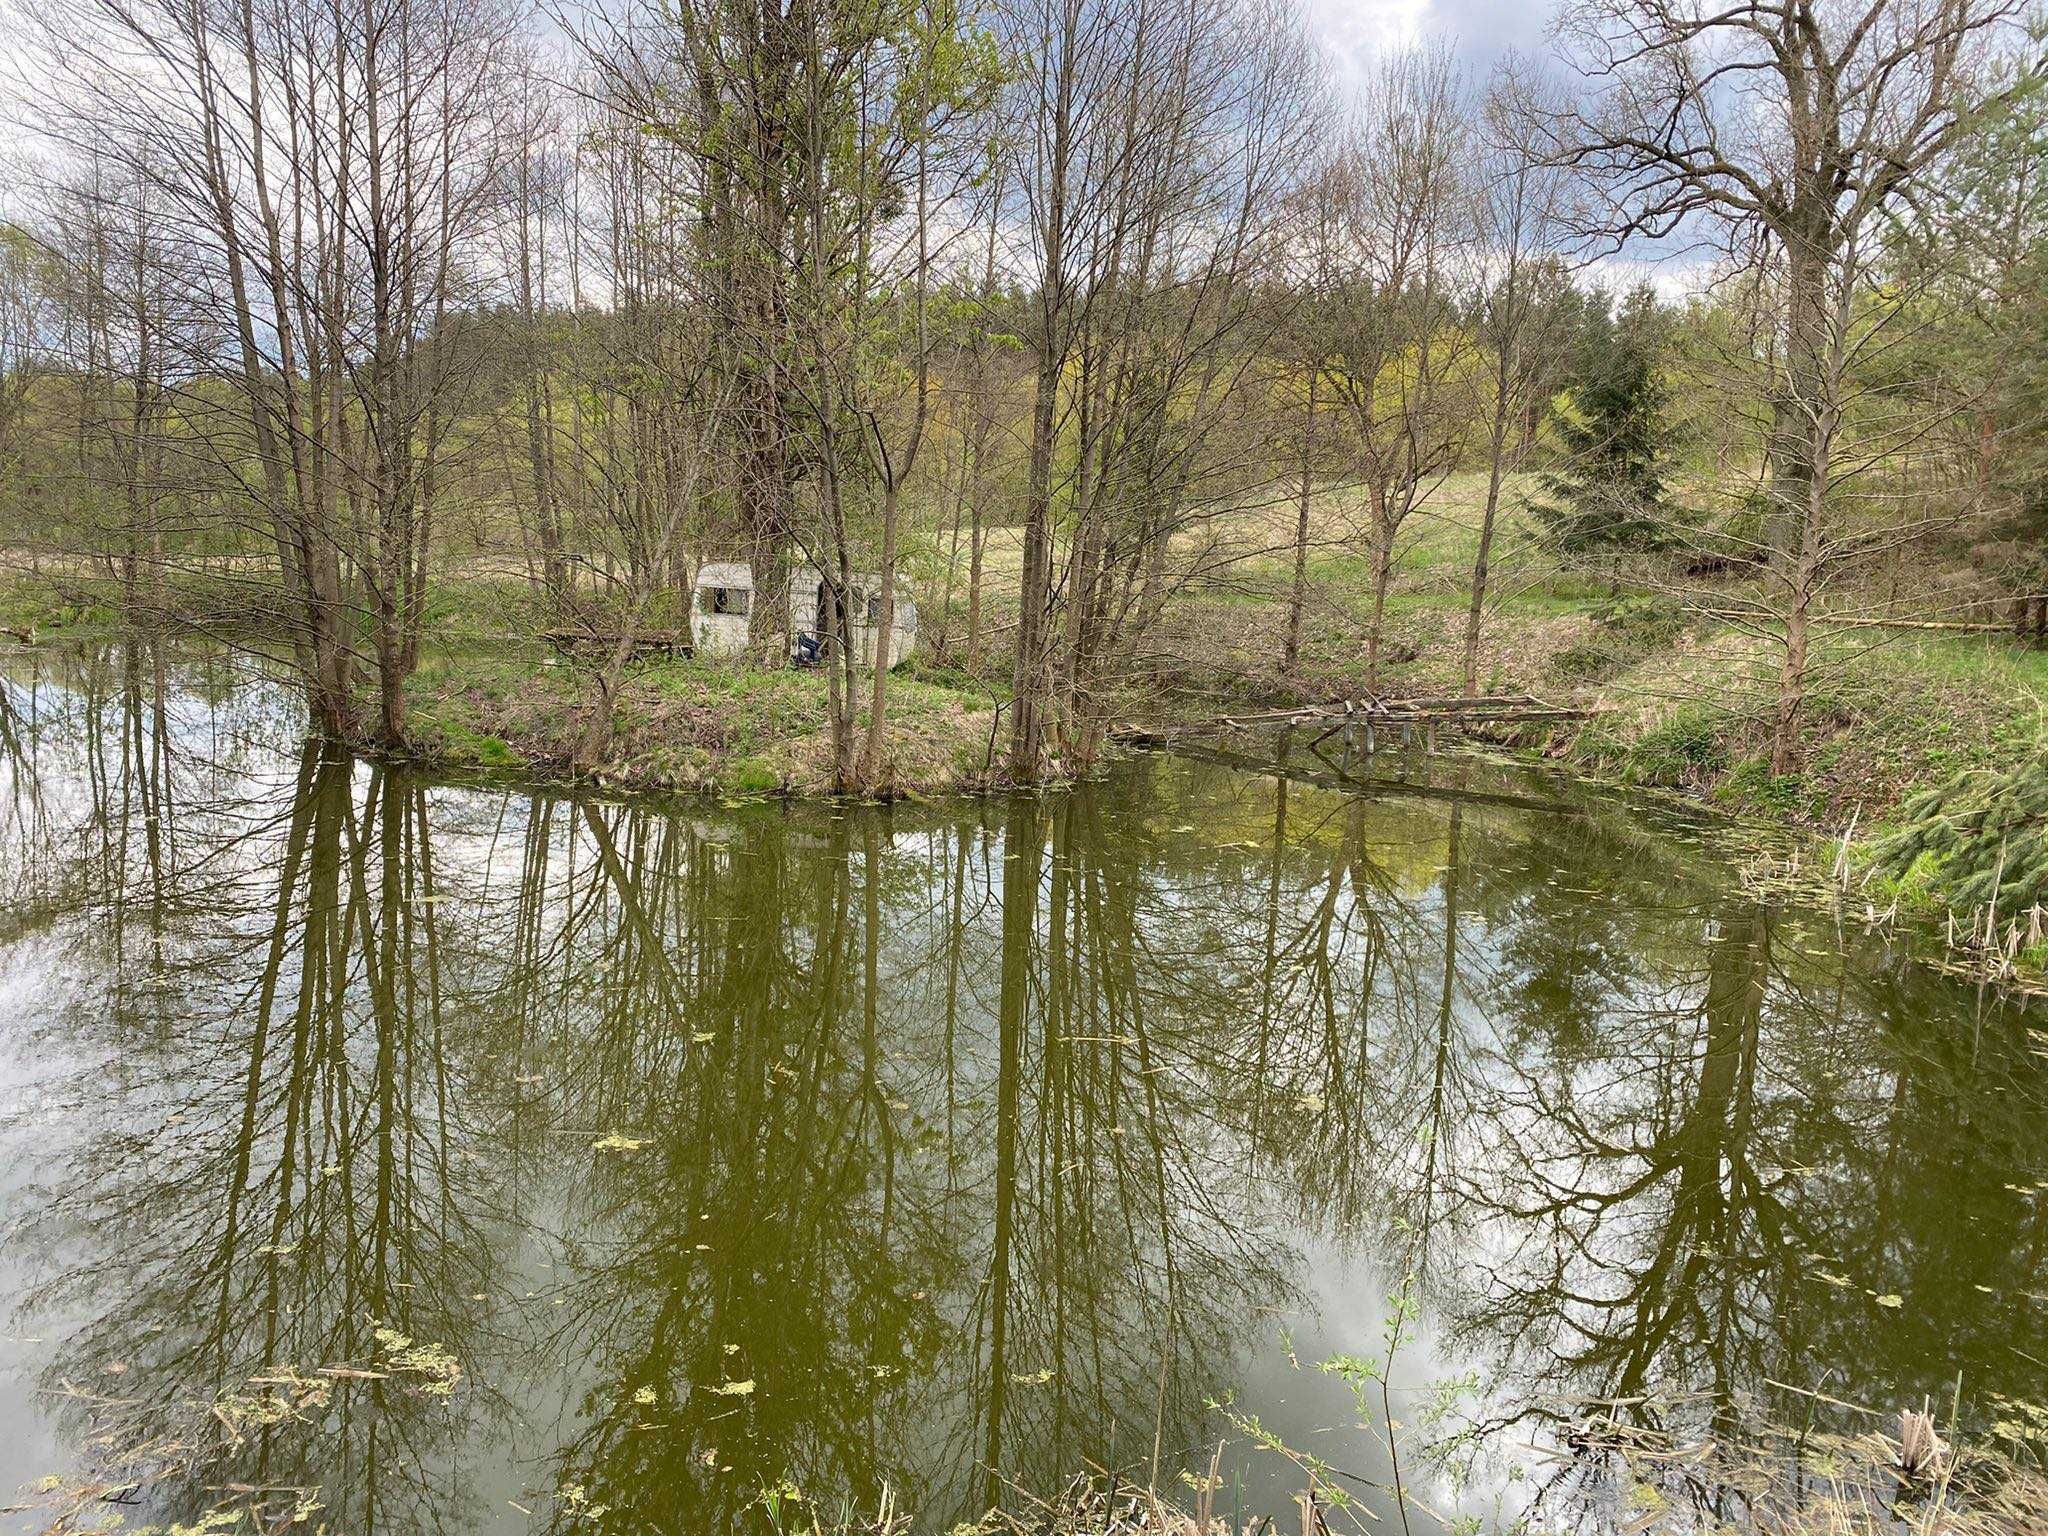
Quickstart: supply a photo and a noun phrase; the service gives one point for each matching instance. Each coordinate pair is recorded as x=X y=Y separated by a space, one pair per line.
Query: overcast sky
x=1479 y=29
x=1479 y=32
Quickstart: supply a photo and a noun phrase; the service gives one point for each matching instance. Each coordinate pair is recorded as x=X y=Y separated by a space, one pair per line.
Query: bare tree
x=938 y=162
x=29 y=277
x=1155 y=149
x=979 y=384
x=539 y=179
x=324 y=172
x=1401 y=364
x=1306 y=343
x=1521 y=201
x=1793 y=128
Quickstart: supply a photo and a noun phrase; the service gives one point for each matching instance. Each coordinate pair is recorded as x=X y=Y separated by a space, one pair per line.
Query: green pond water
x=483 y=1159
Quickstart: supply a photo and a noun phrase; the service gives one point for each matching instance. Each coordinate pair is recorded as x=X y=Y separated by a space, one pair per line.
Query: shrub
x=1644 y=622
x=1583 y=664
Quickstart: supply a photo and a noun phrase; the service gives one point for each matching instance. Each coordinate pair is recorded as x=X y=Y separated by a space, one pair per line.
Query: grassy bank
x=1921 y=764
x=486 y=699
x=1684 y=704
x=679 y=725
x=1684 y=701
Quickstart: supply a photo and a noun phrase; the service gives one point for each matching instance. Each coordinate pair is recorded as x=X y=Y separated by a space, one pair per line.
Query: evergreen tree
x=1979 y=842
x=1610 y=492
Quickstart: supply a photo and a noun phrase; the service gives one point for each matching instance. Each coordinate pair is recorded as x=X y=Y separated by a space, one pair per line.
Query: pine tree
x=1610 y=492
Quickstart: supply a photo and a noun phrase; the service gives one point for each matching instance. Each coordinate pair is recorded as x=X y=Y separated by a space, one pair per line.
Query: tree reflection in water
x=943 y=1148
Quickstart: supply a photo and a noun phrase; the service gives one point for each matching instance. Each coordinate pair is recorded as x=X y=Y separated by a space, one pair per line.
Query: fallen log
x=1429 y=713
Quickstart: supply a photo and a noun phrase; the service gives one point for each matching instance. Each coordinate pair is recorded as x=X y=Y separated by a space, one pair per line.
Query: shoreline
x=683 y=727
x=1678 y=717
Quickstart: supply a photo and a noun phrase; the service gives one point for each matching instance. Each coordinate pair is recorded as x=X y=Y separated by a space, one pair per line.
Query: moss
x=456 y=742
x=490 y=751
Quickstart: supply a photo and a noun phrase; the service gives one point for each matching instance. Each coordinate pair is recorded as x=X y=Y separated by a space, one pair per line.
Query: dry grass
x=1605 y=1476
x=1602 y=1474
x=1804 y=1483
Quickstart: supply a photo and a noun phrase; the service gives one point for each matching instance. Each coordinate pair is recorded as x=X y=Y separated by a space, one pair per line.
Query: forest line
x=1049 y=314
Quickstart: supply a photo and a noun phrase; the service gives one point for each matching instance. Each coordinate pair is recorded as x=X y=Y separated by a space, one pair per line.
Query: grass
x=1882 y=718
x=1607 y=1477
x=1686 y=702
x=680 y=725
x=1801 y=1482
x=42 y=608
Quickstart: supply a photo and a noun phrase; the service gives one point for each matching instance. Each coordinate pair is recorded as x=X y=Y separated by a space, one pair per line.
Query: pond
x=493 y=1159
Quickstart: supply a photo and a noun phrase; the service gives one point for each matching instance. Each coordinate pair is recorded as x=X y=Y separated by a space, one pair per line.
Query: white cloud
x=1358 y=31
x=1374 y=24
x=1674 y=278
x=1355 y=30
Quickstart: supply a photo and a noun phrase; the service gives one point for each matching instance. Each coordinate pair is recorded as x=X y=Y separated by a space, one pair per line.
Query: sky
x=1356 y=30
x=1478 y=32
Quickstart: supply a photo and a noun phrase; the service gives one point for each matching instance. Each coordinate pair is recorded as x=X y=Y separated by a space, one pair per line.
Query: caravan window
x=728 y=600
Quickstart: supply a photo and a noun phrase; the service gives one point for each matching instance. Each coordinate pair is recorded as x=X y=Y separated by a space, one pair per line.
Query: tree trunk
x=1290 y=667
x=1804 y=578
x=546 y=510
x=1027 y=675
x=1791 y=689
x=974 y=547
x=878 y=704
x=1382 y=579
x=390 y=679
x=1495 y=472
x=1810 y=411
